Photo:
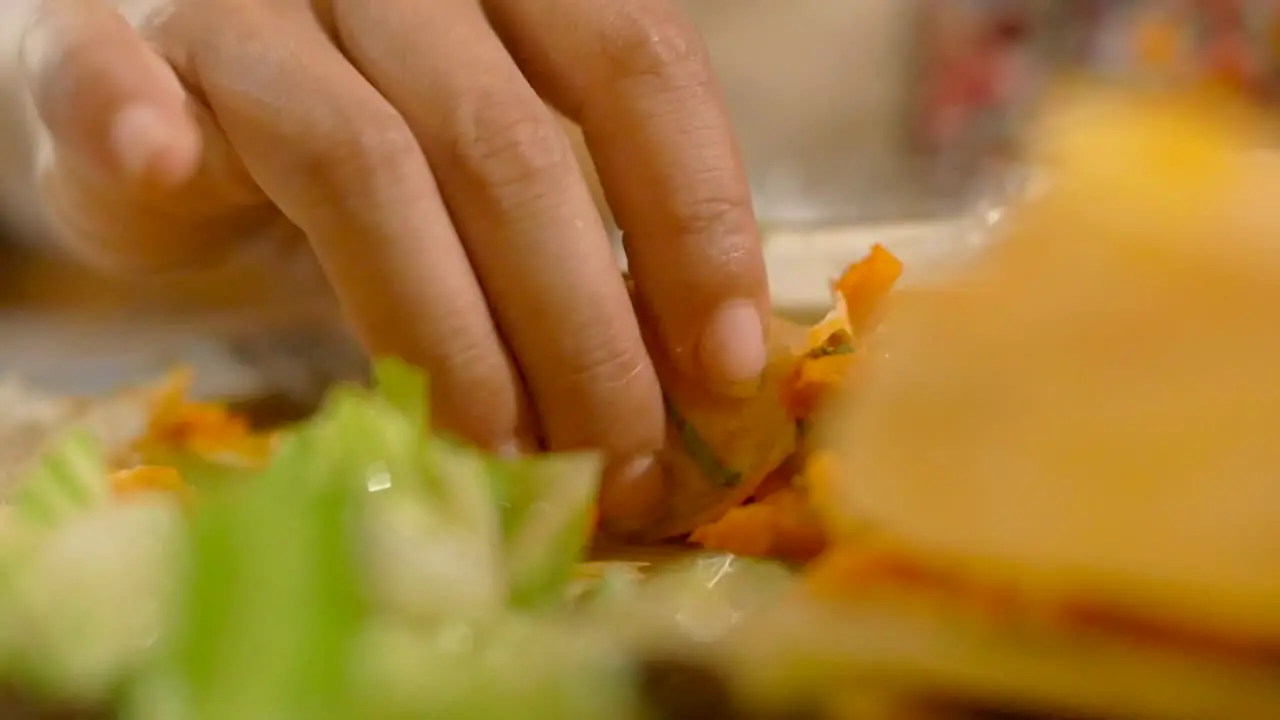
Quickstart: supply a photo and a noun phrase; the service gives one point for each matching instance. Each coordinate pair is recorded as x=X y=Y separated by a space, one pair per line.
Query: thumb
x=135 y=173
x=106 y=98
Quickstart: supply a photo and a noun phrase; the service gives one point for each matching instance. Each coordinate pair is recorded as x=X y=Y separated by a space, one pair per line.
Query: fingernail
x=732 y=350
x=138 y=139
x=515 y=448
x=510 y=450
x=632 y=494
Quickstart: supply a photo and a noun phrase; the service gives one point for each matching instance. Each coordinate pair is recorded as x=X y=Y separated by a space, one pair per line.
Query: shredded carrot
x=812 y=380
x=819 y=481
x=865 y=284
x=781 y=526
x=786 y=519
x=834 y=343
x=778 y=480
x=145 y=479
x=206 y=429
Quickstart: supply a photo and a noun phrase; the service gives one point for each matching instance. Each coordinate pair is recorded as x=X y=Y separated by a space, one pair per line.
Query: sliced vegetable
x=84 y=601
x=517 y=668
x=865 y=284
x=207 y=444
x=547 y=516
x=68 y=481
x=272 y=605
x=701 y=598
x=364 y=547
x=145 y=480
x=404 y=388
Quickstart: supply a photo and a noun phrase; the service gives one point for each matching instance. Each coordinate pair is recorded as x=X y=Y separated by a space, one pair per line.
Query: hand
x=405 y=144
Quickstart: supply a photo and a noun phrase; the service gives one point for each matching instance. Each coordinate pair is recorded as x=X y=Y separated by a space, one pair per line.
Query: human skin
x=407 y=146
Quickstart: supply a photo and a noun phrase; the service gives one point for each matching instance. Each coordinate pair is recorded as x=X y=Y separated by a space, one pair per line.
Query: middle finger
x=528 y=221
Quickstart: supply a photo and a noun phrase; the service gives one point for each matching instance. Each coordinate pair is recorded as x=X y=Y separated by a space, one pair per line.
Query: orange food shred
x=206 y=429
x=866 y=283
x=145 y=479
x=784 y=520
x=812 y=380
x=780 y=526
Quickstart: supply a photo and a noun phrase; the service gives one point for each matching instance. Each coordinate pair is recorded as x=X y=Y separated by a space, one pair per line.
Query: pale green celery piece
x=66 y=481
x=363 y=520
x=433 y=548
x=547 y=524
x=272 y=599
x=86 y=600
x=516 y=668
x=617 y=584
x=538 y=510
x=81 y=578
x=404 y=387
x=462 y=488
x=703 y=598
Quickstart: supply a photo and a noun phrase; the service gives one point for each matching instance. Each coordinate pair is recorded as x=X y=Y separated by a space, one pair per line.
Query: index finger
x=636 y=77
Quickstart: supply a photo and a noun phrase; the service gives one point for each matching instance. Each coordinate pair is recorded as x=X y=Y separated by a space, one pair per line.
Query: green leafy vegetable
x=82 y=579
x=68 y=481
x=367 y=533
x=516 y=668
x=546 y=524
x=370 y=570
x=83 y=602
x=271 y=604
x=404 y=388
x=701 y=598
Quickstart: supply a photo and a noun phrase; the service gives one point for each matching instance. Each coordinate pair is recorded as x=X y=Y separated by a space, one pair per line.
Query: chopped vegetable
x=271 y=601
x=700 y=598
x=780 y=519
x=377 y=541
x=781 y=526
x=68 y=481
x=82 y=579
x=359 y=566
x=864 y=286
x=146 y=479
x=702 y=454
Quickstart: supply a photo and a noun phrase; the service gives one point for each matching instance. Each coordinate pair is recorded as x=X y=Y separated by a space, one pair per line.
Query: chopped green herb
x=839 y=342
x=702 y=453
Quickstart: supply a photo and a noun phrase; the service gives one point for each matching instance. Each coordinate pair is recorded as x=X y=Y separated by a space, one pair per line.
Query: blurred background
x=859 y=120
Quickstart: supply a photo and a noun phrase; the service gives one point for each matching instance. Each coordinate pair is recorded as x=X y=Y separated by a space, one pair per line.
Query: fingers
x=637 y=79
x=342 y=164
x=528 y=220
x=107 y=97
x=137 y=175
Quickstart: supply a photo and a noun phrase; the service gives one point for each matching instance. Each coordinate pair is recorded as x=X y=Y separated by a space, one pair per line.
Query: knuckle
x=650 y=40
x=365 y=148
x=607 y=366
x=473 y=366
x=513 y=148
x=718 y=215
x=476 y=393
